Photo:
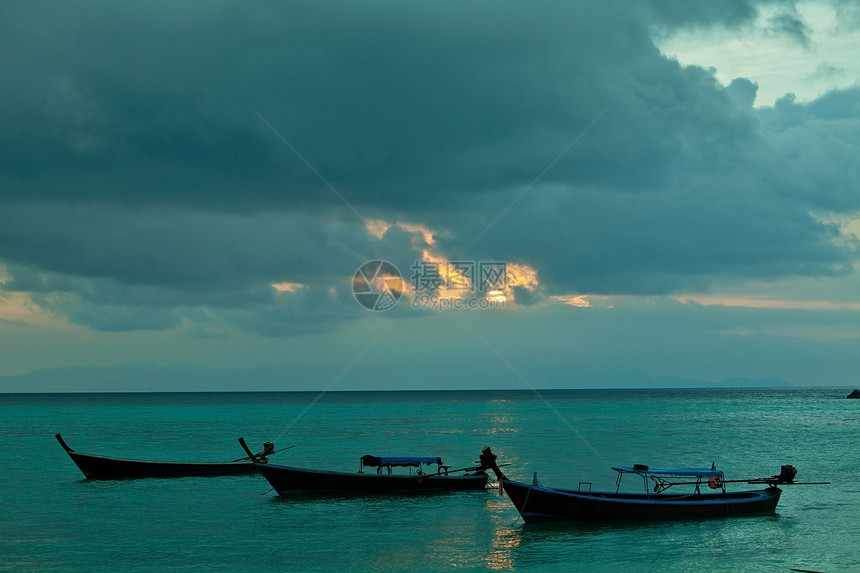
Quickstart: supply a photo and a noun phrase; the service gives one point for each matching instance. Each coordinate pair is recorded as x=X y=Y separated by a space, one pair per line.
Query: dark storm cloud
x=179 y=248
x=115 y=268
x=738 y=208
x=137 y=177
x=628 y=243
x=813 y=151
x=392 y=102
x=729 y=13
x=791 y=26
x=397 y=104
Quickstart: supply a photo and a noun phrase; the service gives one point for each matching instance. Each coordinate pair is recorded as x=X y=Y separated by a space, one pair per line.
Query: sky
x=606 y=191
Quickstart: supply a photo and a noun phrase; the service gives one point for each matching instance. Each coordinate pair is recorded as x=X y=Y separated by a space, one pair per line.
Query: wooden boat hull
x=537 y=503
x=101 y=467
x=289 y=481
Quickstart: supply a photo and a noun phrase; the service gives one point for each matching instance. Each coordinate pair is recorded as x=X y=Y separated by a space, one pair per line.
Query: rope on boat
x=525 y=502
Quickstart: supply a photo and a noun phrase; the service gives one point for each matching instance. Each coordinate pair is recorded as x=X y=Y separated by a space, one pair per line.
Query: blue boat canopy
x=400 y=461
x=673 y=472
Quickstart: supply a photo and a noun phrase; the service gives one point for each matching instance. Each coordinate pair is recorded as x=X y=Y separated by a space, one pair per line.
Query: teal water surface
x=55 y=520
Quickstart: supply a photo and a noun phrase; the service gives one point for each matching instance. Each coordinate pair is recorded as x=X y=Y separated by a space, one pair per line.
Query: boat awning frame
x=673 y=472
x=398 y=461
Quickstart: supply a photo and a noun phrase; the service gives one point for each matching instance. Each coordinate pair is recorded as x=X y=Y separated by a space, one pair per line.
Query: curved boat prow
x=251 y=455
x=488 y=460
x=63 y=443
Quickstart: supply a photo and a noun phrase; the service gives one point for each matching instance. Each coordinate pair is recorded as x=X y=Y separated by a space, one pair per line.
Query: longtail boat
x=101 y=467
x=535 y=502
x=292 y=480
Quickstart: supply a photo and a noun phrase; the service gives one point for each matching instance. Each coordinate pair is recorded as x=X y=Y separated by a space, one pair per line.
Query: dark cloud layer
x=139 y=186
x=395 y=103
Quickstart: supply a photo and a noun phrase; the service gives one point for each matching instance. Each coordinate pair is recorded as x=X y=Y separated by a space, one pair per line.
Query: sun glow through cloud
x=577 y=300
x=496 y=296
x=287 y=286
x=18 y=308
x=458 y=278
x=377 y=227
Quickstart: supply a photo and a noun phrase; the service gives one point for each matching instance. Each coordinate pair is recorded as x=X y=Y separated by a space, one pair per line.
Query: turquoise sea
x=52 y=519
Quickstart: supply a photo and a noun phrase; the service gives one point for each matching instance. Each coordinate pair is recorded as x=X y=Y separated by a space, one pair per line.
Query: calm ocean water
x=54 y=520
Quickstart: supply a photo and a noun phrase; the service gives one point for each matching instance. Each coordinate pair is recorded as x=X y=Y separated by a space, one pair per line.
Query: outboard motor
x=268 y=449
x=787 y=474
